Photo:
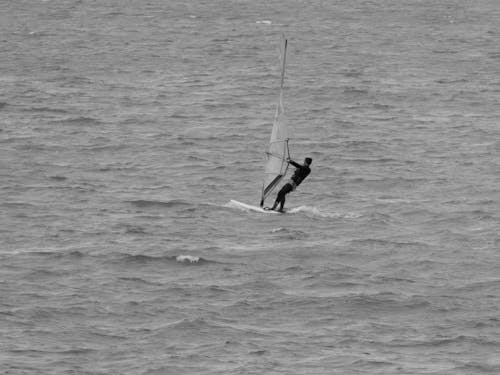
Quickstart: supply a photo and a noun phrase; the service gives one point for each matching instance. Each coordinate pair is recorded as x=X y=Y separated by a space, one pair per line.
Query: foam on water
x=312 y=212
x=187 y=259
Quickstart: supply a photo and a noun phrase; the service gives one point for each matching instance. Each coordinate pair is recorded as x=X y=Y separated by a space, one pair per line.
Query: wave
x=374 y=160
x=52 y=254
x=305 y=209
x=187 y=259
x=285 y=233
x=477 y=286
x=58 y=178
x=18 y=205
x=105 y=146
x=444 y=341
x=171 y=259
x=152 y=203
x=476 y=367
x=46 y=109
x=81 y=120
x=40 y=274
x=134 y=229
x=386 y=301
x=39 y=351
x=138 y=280
x=381 y=242
x=189 y=324
x=315 y=212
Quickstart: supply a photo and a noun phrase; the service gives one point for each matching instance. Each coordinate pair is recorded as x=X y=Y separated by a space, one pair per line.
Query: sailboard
x=278 y=153
x=249 y=207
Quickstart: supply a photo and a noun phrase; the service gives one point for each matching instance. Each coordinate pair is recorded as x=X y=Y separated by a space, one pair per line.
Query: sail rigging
x=277 y=164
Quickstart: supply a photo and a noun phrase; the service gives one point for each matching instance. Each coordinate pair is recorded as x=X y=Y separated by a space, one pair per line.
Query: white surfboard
x=249 y=207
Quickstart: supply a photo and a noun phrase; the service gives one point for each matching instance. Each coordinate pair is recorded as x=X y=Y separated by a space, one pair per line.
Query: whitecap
x=313 y=211
x=187 y=259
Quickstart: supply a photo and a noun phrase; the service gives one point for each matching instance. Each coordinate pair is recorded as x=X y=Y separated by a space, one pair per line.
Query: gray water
x=127 y=127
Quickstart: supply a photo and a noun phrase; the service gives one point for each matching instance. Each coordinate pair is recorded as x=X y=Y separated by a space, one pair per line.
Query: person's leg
x=278 y=198
x=286 y=189
x=282 y=205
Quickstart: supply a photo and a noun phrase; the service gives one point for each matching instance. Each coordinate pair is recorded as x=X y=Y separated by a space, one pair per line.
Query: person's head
x=308 y=161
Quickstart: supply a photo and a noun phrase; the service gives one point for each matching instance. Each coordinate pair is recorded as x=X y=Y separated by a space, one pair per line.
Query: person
x=299 y=175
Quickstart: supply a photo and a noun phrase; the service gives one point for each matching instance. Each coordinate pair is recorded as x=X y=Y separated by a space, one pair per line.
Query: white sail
x=277 y=154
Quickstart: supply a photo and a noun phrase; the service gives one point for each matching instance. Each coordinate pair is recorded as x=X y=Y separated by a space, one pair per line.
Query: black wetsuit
x=299 y=175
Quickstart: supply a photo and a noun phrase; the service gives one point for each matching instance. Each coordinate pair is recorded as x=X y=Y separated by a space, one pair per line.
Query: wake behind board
x=249 y=207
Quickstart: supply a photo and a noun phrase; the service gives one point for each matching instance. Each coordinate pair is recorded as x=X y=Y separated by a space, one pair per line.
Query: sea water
x=128 y=126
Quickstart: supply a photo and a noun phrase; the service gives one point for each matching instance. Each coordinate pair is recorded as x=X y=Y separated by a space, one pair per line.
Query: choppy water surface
x=127 y=128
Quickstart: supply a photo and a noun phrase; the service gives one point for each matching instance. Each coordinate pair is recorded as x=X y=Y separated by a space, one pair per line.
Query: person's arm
x=296 y=165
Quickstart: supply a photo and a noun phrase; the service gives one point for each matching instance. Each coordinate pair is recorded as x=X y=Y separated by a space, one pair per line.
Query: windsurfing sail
x=277 y=164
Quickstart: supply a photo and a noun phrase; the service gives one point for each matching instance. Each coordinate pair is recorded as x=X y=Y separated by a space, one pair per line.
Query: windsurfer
x=299 y=175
